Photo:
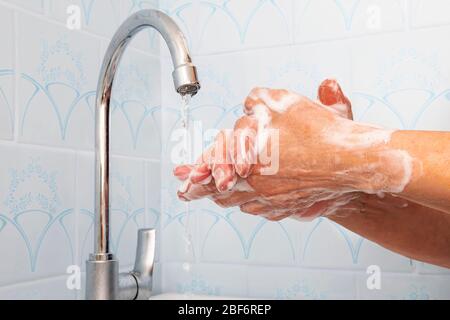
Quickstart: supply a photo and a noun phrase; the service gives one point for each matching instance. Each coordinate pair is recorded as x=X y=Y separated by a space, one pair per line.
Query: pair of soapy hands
x=316 y=141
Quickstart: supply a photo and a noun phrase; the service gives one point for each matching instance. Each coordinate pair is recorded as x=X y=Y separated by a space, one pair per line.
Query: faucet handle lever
x=144 y=263
x=145 y=252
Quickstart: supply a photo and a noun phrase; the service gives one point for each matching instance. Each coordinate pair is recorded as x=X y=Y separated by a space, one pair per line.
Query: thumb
x=331 y=95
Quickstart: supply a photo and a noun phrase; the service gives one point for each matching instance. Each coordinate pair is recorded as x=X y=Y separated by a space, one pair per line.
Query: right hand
x=273 y=205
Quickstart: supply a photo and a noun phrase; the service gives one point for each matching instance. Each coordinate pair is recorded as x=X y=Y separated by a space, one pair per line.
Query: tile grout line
x=57 y=149
x=313 y=270
x=293 y=22
x=16 y=125
x=408 y=15
x=33 y=281
x=77 y=217
x=146 y=194
x=237 y=50
x=46 y=18
x=325 y=41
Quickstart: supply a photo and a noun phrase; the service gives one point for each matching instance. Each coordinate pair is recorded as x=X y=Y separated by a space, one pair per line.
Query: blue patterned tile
x=37 y=208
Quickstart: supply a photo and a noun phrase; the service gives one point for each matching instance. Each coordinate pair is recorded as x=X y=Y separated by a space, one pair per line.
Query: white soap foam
x=243 y=186
x=350 y=136
x=184 y=186
x=338 y=108
x=263 y=118
x=285 y=102
x=391 y=174
x=407 y=165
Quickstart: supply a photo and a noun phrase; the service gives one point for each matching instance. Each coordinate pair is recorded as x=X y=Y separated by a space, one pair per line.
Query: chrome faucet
x=103 y=280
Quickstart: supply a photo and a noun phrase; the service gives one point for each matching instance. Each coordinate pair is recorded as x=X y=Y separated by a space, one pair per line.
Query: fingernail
x=330 y=93
x=224 y=177
x=182 y=172
x=201 y=175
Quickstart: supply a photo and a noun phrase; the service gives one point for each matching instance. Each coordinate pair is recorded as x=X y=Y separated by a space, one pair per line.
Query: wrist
x=372 y=163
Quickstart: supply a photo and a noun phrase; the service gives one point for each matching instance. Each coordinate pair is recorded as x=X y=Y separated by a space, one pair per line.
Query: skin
x=310 y=183
x=430 y=185
x=399 y=225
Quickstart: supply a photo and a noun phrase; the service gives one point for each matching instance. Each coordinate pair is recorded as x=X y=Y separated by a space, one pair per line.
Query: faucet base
x=102 y=281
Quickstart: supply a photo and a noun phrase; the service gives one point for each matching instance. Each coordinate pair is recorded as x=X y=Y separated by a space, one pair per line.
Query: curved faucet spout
x=186 y=83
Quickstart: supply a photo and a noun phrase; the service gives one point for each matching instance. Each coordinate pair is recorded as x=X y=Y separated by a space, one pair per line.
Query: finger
x=308 y=215
x=277 y=216
x=244 y=152
x=277 y=100
x=189 y=191
x=207 y=156
x=201 y=174
x=265 y=210
x=222 y=166
x=216 y=163
x=315 y=211
x=224 y=177
x=252 y=207
x=259 y=118
x=233 y=198
x=182 y=172
x=253 y=101
x=256 y=207
x=331 y=95
x=325 y=207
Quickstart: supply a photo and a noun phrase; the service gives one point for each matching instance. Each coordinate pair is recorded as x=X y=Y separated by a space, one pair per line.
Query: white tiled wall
x=390 y=56
x=7 y=63
x=392 y=60
x=48 y=78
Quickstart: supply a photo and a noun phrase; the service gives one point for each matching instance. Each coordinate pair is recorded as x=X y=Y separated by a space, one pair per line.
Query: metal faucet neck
x=102 y=265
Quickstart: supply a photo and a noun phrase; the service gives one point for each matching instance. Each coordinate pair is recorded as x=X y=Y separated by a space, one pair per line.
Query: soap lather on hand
x=312 y=179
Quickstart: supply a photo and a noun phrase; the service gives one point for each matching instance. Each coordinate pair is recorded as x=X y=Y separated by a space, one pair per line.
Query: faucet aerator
x=186 y=80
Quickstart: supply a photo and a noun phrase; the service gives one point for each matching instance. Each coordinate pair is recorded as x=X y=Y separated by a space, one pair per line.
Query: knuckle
x=241 y=122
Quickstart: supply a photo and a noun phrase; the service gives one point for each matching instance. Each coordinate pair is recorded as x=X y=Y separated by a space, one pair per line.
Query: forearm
x=414 y=165
x=414 y=231
x=430 y=177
